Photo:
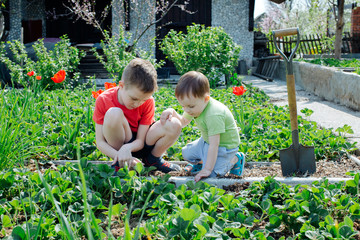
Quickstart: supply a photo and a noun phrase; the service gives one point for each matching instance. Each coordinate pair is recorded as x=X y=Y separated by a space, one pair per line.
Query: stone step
x=95 y=69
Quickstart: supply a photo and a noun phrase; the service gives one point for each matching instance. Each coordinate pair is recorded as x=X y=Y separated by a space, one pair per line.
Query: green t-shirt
x=217 y=119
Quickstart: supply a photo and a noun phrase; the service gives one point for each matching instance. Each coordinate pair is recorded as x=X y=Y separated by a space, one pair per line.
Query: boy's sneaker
x=238 y=168
x=163 y=165
x=193 y=169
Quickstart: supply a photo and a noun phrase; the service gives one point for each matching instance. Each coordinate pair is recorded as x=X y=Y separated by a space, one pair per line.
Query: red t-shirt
x=143 y=115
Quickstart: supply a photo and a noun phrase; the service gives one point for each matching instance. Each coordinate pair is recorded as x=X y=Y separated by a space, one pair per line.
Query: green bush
x=118 y=53
x=209 y=50
x=45 y=63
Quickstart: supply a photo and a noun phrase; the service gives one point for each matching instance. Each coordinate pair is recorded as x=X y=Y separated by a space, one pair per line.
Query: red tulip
x=31 y=73
x=59 y=76
x=97 y=93
x=38 y=77
x=238 y=91
x=109 y=85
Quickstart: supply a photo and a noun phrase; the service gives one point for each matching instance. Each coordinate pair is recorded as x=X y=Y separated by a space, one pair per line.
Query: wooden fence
x=315 y=44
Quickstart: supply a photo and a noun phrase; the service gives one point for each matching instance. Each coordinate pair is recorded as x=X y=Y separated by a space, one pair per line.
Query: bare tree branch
x=85 y=10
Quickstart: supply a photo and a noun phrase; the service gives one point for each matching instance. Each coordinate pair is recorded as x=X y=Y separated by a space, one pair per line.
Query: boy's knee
x=112 y=117
x=185 y=153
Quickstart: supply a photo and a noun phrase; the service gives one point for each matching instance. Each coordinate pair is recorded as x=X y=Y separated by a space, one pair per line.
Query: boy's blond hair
x=192 y=83
x=140 y=73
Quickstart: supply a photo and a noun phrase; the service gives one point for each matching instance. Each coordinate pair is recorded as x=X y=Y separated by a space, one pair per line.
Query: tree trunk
x=339 y=28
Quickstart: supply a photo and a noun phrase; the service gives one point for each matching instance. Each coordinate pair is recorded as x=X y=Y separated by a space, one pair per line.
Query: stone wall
x=233 y=16
x=327 y=82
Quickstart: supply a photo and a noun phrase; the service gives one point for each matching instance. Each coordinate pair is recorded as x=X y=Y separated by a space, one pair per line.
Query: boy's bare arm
x=169 y=113
x=138 y=143
x=214 y=142
x=109 y=151
x=101 y=143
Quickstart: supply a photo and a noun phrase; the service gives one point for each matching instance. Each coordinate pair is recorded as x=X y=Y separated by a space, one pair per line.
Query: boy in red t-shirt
x=124 y=116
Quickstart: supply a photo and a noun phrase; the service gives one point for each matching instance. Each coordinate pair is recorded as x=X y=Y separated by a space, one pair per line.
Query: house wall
x=35 y=10
x=25 y=10
x=233 y=16
x=15 y=20
x=139 y=17
x=355 y=28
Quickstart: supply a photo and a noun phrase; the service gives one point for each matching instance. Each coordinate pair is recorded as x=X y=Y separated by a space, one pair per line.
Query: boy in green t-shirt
x=216 y=152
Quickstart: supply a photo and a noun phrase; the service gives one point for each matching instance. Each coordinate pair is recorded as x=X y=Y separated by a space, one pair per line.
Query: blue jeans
x=197 y=151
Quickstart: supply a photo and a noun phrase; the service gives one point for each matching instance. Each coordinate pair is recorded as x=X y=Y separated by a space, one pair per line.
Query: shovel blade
x=297 y=160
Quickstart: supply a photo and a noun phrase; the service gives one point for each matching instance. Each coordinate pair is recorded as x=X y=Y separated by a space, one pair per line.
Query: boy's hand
x=167 y=114
x=202 y=174
x=123 y=155
x=130 y=163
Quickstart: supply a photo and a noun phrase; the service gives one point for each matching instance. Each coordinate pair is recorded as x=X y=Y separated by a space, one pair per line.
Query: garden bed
x=334 y=170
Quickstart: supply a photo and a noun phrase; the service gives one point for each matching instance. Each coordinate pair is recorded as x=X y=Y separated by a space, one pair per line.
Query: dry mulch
x=324 y=168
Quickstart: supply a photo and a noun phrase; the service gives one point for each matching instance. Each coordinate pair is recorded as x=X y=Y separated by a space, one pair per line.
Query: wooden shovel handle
x=290 y=82
x=285 y=32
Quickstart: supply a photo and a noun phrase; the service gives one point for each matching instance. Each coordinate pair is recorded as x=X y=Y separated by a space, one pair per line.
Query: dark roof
x=277 y=1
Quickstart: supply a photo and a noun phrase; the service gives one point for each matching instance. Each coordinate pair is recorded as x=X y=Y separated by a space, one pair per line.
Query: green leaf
x=265 y=204
x=315 y=235
x=188 y=214
x=346 y=231
x=6 y=221
x=18 y=233
x=226 y=200
x=83 y=163
x=274 y=221
x=139 y=168
x=201 y=228
x=117 y=209
x=329 y=220
x=351 y=183
x=127 y=235
x=348 y=222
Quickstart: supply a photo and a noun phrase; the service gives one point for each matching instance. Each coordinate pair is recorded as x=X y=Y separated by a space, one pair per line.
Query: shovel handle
x=285 y=32
x=290 y=82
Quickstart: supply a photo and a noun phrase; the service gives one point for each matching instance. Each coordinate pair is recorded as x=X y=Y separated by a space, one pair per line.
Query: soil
x=324 y=168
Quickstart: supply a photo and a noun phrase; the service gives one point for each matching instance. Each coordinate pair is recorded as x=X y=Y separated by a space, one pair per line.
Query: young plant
x=117 y=53
x=45 y=64
x=246 y=125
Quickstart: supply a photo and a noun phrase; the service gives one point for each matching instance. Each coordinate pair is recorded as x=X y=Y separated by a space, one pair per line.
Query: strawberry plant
x=54 y=204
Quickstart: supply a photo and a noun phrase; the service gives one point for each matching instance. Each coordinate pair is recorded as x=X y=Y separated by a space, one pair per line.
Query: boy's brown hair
x=192 y=83
x=140 y=73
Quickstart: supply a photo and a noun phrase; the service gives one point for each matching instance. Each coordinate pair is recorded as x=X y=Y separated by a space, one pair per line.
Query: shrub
x=209 y=50
x=118 y=53
x=45 y=63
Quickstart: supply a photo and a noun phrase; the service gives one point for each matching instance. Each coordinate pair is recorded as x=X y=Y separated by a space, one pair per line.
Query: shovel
x=297 y=158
